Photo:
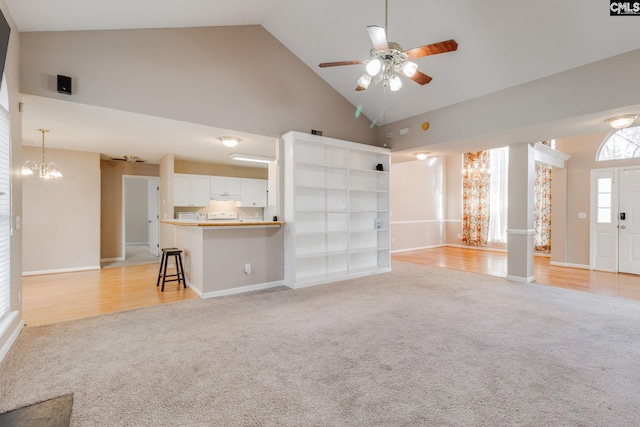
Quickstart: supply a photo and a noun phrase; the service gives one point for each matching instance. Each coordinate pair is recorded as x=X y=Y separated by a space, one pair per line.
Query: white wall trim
x=517 y=231
x=568 y=264
x=397 y=251
x=519 y=279
x=137 y=243
x=425 y=221
x=60 y=270
x=11 y=335
x=240 y=290
x=121 y=258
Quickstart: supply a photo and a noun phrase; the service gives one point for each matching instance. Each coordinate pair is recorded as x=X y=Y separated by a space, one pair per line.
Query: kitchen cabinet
x=253 y=193
x=191 y=190
x=336 y=209
x=225 y=188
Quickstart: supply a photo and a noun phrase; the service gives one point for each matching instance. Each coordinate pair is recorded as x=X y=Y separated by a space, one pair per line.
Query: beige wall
x=239 y=78
x=110 y=202
x=201 y=168
x=417 y=204
x=11 y=71
x=61 y=217
x=453 y=200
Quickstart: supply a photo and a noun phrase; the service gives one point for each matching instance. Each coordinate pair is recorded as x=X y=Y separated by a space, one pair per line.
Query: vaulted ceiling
x=502 y=43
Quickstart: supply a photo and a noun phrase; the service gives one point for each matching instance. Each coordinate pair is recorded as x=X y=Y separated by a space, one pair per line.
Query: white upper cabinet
x=253 y=193
x=191 y=190
x=225 y=188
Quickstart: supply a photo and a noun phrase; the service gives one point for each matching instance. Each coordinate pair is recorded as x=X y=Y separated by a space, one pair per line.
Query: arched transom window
x=621 y=144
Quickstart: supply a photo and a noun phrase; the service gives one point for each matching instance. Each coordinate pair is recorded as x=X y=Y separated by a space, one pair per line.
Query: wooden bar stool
x=179 y=274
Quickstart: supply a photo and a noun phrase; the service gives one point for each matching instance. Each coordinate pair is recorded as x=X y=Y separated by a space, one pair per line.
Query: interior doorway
x=615 y=220
x=140 y=219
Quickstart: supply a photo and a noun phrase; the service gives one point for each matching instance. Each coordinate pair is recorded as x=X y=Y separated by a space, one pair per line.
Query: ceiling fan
x=128 y=158
x=387 y=61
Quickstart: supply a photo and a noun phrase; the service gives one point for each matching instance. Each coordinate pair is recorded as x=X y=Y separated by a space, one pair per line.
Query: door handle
x=623 y=227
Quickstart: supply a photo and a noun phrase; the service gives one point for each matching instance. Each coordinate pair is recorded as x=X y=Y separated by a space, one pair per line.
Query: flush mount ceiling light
x=250 y=158
x=388 y=61
x=229 y=141
x=621 y=122
x=44 y=170
x=422 y=156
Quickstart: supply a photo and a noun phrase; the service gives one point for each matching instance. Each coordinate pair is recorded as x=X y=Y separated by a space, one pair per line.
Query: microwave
x=194 y=216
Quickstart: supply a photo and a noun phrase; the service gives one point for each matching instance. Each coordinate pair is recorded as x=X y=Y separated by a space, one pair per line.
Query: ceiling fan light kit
x=387 y=61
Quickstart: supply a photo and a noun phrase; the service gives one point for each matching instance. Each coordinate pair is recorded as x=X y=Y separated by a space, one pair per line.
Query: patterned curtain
x=475 y=198
x=542 y=209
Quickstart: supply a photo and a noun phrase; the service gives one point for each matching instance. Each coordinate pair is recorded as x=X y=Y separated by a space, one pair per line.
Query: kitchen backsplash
x=224 y=206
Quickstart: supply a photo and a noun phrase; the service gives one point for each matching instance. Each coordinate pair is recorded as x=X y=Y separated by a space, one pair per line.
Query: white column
x=520 y=230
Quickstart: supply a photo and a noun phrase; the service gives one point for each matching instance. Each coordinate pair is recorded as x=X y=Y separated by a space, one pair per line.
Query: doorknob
x=623 y=227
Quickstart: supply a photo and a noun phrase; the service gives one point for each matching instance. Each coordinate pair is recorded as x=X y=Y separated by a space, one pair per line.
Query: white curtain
x=499 y=167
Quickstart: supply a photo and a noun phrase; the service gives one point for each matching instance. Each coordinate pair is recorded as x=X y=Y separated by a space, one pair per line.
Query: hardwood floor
x=495 y=264
x=54 y=298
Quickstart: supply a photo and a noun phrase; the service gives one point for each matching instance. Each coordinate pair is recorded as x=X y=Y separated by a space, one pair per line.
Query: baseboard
x=568 y=264
x=137 y=244
x=121 y=258
x=239 y=290
x=60 y=270
x=397 y=251
x=12 y=336
x=519 y=279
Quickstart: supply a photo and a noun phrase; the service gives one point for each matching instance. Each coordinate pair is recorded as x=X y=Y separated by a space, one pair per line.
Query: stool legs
x=179 y=275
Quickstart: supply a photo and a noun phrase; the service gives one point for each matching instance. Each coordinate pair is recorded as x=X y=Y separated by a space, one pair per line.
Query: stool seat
x=179 y=274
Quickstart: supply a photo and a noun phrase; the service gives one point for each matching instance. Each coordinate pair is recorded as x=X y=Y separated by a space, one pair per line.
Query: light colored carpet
x=418 y=346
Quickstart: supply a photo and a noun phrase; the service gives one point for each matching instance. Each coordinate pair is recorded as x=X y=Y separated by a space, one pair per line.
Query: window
x=5 y=212
x=621 y=144
x=498 y=208
x=603 y=201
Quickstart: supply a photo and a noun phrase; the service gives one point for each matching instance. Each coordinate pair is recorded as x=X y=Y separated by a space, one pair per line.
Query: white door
x=604 y=224
x=153 y=215
x=629 y=221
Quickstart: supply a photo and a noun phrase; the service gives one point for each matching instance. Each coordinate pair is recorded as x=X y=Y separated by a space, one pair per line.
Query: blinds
x=5 y=213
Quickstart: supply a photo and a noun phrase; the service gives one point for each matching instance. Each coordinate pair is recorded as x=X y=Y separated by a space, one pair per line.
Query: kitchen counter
x=234 y=223
x=223 y=257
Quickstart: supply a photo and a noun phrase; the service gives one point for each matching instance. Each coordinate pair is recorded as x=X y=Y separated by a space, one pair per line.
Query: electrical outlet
x=459 y=236
x=247 y=269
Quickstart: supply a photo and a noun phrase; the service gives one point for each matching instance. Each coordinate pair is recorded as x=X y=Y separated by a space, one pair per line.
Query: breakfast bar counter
x=229 y=257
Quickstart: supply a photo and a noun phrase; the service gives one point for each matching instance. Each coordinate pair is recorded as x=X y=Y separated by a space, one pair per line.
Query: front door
x=629 y=221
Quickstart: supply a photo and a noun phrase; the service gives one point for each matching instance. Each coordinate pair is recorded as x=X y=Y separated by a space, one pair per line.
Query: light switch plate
x=582 y=215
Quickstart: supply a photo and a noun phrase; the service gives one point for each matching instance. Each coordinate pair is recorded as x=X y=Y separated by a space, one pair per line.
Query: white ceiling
x=502 y=43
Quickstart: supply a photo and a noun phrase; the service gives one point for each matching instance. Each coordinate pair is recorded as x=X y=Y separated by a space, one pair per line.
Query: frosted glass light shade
x=373 y=67
x=409 y=68
x=395 y=83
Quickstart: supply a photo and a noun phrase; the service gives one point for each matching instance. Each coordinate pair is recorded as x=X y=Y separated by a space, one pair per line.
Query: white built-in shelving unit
x=336 y=209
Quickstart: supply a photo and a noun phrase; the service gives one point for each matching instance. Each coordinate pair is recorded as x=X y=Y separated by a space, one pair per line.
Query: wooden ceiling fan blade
x=339 y=63
x=418 y=77
x=360 y=88
x=432 y=49
x=378 y=37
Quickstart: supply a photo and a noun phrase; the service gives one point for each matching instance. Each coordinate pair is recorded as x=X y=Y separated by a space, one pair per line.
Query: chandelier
x=44 y=170
x=476 y=167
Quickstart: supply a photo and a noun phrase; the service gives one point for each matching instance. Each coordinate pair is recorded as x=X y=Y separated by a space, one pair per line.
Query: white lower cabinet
x=336 y=209
x=191 y=190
